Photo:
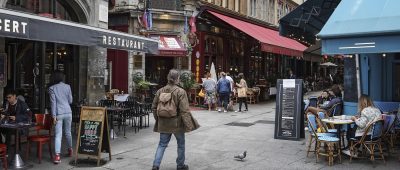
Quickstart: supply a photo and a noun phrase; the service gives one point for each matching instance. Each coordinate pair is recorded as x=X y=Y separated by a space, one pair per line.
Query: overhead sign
x=32 y=27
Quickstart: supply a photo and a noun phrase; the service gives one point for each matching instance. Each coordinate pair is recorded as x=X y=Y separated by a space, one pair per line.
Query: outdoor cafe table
x=337 y=120
x=111 y=111
x=17 y=162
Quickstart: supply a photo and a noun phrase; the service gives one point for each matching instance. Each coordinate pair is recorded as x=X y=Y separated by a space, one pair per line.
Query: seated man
x=16 y=111
x=336 y=93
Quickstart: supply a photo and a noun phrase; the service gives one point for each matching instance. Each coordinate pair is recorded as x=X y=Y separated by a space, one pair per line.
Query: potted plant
x=187 y=80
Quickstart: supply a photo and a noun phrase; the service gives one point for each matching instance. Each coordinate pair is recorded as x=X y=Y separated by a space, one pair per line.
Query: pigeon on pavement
x=241 y=156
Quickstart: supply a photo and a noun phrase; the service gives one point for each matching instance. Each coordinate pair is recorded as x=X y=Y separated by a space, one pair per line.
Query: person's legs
x=240 y=99
x=58 y=133
x=226 y=101
x=245 y=103
x=67 y=129
x=221 y=101
x=164 y=140
x=180 y=140
x=314 y=110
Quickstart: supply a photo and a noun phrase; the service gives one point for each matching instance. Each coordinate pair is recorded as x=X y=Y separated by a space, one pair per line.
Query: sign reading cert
x=93 y=137
x=289 y=109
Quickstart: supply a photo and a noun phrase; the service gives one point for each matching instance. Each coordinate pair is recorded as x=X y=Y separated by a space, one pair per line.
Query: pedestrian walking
x=209 y=86
x=60 y=99
x=242 y=92
x=224 y=91
x=172 y=114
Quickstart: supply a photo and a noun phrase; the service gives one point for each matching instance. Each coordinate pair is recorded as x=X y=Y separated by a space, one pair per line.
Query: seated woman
x=336 y=99
x=367 y=113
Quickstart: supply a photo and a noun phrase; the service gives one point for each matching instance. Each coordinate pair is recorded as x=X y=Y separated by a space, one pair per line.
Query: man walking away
x=172 y=115
x=224 y=91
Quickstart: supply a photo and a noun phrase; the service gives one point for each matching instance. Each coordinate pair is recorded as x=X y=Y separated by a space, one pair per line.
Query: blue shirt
x=60 y=99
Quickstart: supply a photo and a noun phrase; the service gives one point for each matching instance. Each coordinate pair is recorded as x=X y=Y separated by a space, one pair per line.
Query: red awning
x=170 y=46
x=270 y=39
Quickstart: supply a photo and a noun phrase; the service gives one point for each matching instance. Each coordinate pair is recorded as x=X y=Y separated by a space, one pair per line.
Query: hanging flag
x=144 y=19
x=150 y=20
x=192 y=22
x=186 y=27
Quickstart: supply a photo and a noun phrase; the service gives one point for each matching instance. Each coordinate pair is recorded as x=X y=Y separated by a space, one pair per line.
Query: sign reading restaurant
x=32 y=27
x=120 y=42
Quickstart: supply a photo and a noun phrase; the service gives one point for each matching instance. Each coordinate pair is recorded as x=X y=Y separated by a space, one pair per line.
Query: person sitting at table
x=15 y=111
x=324 y=98
x=336 y=99
x=367 y=113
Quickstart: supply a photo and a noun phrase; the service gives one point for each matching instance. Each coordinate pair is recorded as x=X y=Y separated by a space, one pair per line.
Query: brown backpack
x=166 y=107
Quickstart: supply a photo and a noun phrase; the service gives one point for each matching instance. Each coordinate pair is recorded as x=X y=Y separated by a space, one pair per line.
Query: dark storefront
x=35 y=46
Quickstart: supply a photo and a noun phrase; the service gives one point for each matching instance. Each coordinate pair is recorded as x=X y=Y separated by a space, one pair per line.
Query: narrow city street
x=213 y=146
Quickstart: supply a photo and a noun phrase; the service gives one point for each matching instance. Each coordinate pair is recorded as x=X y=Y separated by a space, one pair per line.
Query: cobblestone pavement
x=213 y=146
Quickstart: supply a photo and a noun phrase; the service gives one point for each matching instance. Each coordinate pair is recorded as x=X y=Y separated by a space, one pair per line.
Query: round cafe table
x=337 y=120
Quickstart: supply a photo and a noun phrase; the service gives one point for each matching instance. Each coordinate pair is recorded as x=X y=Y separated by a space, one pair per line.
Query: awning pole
x=358 y=75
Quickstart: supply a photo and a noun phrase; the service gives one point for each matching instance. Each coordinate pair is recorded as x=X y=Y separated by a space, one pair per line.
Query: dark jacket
x=223 y=86
x=184 y=122
x=22 y=111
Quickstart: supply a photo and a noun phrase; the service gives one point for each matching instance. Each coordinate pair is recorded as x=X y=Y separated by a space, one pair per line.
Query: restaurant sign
x=32 y=27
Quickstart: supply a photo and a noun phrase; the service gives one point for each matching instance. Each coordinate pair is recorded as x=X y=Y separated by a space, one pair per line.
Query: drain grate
x=242 y=124
x=265 y=122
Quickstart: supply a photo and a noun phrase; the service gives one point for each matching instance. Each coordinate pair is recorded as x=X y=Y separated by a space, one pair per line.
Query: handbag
x=201 y=93
x=242 y=92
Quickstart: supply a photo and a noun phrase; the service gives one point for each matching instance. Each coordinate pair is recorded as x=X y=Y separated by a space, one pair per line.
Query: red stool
x=3 y=155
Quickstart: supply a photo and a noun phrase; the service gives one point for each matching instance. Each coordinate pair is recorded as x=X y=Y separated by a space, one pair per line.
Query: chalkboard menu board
x=93 y=137
x=289 y=119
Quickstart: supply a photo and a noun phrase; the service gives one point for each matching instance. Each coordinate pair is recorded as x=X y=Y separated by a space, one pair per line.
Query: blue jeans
x=63 y=122
x=164 y=140
x=224 y=100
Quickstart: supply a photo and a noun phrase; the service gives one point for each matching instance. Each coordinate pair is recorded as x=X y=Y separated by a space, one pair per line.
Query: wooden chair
x=369 y=142
x=257 y=92
x=312 y=121
x=250 y=96
x=330 y=142
x=3 y=155
x=44 y=122
x=389 y=131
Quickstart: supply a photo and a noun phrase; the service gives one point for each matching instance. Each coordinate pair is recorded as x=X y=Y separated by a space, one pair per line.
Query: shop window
x=137 y=61
x=184 y=63
x=42 y=8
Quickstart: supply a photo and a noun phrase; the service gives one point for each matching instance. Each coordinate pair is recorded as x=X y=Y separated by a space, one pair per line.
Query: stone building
x=40 y=36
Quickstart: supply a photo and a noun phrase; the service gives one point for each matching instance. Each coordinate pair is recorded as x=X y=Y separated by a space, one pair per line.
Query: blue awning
x=362 y=26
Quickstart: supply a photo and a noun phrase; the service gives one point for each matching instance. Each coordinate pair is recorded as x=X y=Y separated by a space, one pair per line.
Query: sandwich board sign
x=93 y=135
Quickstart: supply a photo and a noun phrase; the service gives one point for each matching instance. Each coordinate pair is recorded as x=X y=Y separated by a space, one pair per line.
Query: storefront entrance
x=157 y=69
x=30 y=78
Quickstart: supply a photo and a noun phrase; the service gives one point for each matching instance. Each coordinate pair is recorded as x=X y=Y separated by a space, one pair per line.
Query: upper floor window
x=253 y=7
x=175 y=5
x=43 y=8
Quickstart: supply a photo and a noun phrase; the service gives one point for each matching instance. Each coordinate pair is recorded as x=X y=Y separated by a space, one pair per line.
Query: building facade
x=69 y=36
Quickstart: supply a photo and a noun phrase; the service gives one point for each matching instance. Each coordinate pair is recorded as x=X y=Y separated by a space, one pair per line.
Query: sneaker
x=225 y=111
x=246 y=110
x=70 y=152
x=347 y=152
x=57 y=159
x=219 y=110
x=238 y=111
x=184 y=167
x=155 y=168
